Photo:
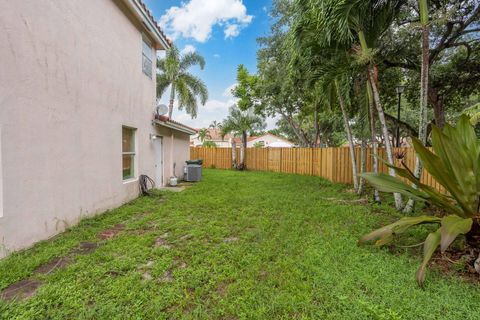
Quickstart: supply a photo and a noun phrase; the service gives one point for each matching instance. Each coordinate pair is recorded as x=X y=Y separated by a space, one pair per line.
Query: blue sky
x=224 y=32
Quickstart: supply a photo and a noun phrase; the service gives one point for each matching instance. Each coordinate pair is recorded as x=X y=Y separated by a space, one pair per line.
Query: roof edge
x=139 y=9
x=165 y=122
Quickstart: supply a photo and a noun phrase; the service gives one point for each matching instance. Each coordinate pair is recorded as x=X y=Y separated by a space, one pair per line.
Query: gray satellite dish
x=161 y=109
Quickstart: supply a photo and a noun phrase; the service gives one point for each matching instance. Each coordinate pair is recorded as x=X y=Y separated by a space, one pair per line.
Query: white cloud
x=196 y=18
x=216 y=55
x=228 y=91
x=218 y=104
x=213 y=110
x=231 y=31
x=188 y=49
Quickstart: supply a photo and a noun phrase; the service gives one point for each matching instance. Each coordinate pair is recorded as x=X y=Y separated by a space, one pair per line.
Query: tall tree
x=362 y=23
x=240 y=123
x=453 y=55
x=184 y=86
x=245 y=88
x=423 y=112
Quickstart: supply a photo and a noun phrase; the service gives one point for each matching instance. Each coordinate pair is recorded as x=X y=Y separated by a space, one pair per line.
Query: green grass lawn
x=238 y=245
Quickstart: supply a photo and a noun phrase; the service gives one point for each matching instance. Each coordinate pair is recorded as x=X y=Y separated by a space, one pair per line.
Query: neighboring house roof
x=143 y=14
x=250 y=138
x=172 y=124
x=253 y=138
x=269 y=134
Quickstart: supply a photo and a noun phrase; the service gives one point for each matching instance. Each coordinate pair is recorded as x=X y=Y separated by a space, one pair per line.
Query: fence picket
x=333 y=164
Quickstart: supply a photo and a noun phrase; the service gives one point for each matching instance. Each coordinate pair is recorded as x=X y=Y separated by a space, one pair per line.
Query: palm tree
x=215 y=125
x=239 y=123
x=423 y=113
x=186 y=87
x=360 y=24
x=204 y=134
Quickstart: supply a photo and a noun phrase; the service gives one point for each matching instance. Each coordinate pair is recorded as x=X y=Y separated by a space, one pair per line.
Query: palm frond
x=191 y=59
x=186 y=98
x=197 y=86
x=162 y=84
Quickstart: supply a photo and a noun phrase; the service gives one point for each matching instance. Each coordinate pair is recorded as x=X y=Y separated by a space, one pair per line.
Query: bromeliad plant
x=455 y=164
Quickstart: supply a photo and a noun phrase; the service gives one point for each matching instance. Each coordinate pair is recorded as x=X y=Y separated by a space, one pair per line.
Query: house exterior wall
x=268 y=140
x=71 y=78
x=176 y=147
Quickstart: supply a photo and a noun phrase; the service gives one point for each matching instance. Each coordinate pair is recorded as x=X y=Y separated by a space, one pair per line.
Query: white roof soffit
x=174 y=126
x=142 y=15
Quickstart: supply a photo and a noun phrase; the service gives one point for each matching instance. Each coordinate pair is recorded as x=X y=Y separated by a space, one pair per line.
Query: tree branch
x=403 y=124
x=451 y=36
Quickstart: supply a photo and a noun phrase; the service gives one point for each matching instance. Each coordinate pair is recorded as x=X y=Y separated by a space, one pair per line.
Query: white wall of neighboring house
x=270 y=141
x=220 y=143
x=71 y=77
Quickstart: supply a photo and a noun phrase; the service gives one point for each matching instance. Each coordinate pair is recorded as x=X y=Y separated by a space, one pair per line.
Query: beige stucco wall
x=176 y=147
x=71 y=76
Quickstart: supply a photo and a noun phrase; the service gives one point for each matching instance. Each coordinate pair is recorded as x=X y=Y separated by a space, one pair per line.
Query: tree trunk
x=386 y=135
x=373 y=138
x=243 y=147
x=381 y=115
x=234 y=154
x=438 y=108
x=422 y=127
x=172 y=98
x=295 y=129
x=348 y=131
x=316 y=143
x=363 y=166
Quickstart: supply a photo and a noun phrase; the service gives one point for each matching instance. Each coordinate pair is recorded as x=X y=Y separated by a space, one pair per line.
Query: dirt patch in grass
x=56 y=263
x=86 y=248
x=460 y=262
x=20 y=290
x=162 y=243
x=179 y=263
x=110 y=233
x=222 y=287
x=186 y=237
x=113 y=273
x=230 y=239
x=167 y=276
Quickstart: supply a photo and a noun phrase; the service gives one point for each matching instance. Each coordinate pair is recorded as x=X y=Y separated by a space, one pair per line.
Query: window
x=128 y=153
x=147 y=58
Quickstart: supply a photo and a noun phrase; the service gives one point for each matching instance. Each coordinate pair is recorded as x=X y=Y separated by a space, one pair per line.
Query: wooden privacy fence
x=333 y=164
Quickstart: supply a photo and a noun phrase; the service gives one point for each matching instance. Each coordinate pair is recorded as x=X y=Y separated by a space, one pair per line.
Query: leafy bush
x=455 y=164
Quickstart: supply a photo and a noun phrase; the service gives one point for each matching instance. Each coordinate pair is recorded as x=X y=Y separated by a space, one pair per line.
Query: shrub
x=455 y=164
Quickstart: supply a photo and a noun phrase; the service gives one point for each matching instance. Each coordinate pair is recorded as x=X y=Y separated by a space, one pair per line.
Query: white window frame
x=147 y=58
x=131 y=153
